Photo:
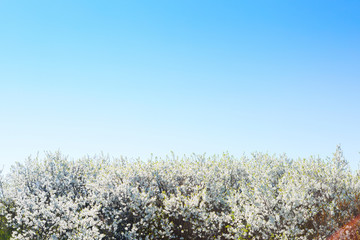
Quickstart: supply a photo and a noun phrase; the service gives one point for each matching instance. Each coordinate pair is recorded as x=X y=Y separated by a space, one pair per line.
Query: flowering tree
x=196 y=197
x=5 y=231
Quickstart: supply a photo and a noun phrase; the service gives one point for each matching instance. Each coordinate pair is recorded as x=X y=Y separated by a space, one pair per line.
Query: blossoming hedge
x=196 y=197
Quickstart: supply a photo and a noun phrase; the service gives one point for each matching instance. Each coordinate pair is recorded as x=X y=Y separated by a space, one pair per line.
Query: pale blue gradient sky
x=139 y=77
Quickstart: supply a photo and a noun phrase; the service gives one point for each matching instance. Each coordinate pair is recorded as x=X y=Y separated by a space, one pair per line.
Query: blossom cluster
x=195 y=197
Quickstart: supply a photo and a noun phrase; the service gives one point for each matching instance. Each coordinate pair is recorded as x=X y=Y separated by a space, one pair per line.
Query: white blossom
x=196 y=197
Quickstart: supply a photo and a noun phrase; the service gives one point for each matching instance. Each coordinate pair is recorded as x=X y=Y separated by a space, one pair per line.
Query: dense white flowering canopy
x=219 y=197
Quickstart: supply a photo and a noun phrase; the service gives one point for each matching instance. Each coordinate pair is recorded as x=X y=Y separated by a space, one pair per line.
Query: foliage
x=196 y=197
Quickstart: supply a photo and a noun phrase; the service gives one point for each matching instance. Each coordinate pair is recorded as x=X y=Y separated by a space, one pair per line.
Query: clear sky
x=133 y=78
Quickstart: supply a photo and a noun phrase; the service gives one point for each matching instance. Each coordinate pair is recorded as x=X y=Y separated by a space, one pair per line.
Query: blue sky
x=139 y=77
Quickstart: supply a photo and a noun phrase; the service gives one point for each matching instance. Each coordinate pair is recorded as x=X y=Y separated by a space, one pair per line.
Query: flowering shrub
x=219 y=197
